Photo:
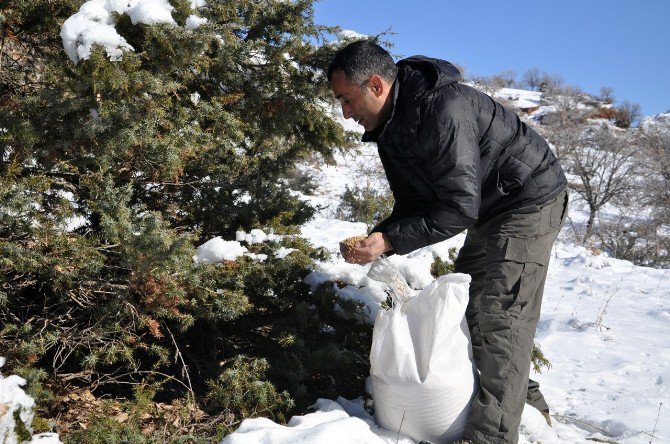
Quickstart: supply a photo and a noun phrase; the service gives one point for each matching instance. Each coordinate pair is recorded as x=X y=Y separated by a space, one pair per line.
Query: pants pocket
x=536 y=249
x=532 y=254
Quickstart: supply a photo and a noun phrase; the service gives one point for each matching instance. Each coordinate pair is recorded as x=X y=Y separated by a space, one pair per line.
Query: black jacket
x=453 y=156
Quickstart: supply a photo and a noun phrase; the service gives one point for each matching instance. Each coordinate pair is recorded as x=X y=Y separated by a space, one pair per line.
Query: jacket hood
x=432 y=73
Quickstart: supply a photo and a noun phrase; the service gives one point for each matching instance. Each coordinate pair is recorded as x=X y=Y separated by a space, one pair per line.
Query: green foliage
x=111 y=172
x=440 y=268
x=303 y=182
x=365 y=205
x=242 y=390
x=35 y=387
x=538 y=360
x=103 y=429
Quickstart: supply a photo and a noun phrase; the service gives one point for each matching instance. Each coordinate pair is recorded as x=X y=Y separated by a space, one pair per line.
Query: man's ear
x=377 y=86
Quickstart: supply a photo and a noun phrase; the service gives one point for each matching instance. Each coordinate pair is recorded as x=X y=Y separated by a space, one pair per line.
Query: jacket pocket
x=513 y=174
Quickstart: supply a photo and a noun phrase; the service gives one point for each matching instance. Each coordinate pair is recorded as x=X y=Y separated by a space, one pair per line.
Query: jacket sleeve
x=396 y=215
x=449 y=149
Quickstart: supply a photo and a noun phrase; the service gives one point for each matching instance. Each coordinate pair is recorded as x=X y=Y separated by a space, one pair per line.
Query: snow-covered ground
x=605 y=328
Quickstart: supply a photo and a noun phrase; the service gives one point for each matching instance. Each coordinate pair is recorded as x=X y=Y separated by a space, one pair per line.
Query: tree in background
x=645 y=238
x=564 y=126
x=112 y=171
x=506 y=79
x=626 y=114
x=607 y=94
x=533 y=79
x=606 y=166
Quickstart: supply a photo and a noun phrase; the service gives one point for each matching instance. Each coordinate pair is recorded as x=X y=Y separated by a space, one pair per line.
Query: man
x=455 y=159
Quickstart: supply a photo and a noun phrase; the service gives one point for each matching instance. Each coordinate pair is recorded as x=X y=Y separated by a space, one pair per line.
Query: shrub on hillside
x=626 y=114
x=641 y=242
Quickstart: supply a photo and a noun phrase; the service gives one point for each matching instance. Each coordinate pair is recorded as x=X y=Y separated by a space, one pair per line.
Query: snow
x=193 y=21
x=217 y=250
x=660 y=121
x=334 y=422
x=14 y=400
x=347 y=34
x=94 y=24
x=151 y=12
x=520 y=98
x=282 y=252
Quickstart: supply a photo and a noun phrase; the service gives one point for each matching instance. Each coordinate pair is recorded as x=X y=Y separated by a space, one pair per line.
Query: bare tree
x=533 y=79
x=607 y=94
x=606 y=167
x=627 y=113
x=508 y=76
x=656 y=141
x=640 y=233
x=551 y=82
x=563 y=126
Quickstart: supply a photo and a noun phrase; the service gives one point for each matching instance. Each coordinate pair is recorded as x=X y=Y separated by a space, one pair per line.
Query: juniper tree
x=112 y=170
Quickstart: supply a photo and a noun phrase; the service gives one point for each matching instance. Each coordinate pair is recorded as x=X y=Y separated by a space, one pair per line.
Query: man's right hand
x=367 y=250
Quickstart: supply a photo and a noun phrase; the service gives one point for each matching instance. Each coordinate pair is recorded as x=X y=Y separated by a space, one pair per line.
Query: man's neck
x=387 y=112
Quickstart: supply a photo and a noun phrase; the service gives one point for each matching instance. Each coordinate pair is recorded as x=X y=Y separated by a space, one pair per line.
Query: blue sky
x=590 y=43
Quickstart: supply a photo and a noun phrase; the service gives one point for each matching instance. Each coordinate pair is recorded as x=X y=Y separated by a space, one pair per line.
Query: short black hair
x=362 y=59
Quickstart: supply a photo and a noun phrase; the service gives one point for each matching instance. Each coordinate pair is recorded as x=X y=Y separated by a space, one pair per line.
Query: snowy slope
x=605 y=327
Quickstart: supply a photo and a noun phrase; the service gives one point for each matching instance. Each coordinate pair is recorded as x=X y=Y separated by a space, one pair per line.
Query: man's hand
x=368 y=249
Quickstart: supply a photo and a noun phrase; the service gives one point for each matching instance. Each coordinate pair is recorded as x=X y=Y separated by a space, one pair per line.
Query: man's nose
x=346 y=111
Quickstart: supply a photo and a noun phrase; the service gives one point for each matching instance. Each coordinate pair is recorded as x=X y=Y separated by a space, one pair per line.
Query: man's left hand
x=368 y=249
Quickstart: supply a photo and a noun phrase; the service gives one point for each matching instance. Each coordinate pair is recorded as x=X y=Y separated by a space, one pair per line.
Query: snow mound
x=330 y=424
x=217 y=250
x=14 y=400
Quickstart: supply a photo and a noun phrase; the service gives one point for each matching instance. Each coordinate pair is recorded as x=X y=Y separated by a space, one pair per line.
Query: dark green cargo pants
x=507 y=257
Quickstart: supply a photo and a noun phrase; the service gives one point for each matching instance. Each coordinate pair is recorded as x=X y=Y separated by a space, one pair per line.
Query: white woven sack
x=422 y=372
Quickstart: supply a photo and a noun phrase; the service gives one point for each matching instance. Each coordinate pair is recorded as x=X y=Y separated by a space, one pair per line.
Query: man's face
x=359 y=102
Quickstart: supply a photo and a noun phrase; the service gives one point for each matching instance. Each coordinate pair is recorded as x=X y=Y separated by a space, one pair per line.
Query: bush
x=605 y=113
x=440 y=268
x=537 y=359
x=626 y=114
x=112 y=171
x=243 y=391
x=365 y=205
x=641 y=242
